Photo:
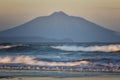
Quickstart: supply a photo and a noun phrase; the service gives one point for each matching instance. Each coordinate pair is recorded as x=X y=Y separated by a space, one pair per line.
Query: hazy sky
x=102 y=12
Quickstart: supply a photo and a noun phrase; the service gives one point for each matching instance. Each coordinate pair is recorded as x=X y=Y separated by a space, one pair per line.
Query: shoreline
x=54 y=74
x=54 y=78
x=57 y=68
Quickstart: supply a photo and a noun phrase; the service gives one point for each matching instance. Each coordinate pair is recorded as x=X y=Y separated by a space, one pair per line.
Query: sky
x=103 y=12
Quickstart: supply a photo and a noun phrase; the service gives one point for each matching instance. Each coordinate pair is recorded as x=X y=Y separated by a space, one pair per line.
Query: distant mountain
x=59 y=27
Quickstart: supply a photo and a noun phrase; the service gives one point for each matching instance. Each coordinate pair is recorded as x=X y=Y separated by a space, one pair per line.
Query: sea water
x=58 y=58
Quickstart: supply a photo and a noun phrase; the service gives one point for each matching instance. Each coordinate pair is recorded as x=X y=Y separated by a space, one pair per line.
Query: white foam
x=6 y=47
x=11 y=46
x=105 y=48
x=32 y=61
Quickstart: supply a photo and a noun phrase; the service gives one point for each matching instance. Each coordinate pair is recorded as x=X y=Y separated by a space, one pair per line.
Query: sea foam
x=96 y=48
x=33 y=61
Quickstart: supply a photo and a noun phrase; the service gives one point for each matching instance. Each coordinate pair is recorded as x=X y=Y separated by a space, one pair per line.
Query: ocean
x=60 y=59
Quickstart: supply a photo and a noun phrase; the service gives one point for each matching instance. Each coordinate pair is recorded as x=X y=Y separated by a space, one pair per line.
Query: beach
x=56 y=75
x=74 y=78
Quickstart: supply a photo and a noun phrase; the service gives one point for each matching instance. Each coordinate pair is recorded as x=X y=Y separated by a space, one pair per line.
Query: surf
x=95 y=48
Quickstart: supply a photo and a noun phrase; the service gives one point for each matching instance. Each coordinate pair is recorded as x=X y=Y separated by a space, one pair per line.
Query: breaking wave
x=82 y=65
x=12 y=46
x=33 y=61
x=105 y=48
x=6 y=47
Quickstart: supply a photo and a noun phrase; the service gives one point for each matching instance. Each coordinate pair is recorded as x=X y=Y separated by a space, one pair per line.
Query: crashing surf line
x=96 y=48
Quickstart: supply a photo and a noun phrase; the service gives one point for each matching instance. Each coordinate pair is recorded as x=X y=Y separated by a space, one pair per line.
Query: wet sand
x=50 y=78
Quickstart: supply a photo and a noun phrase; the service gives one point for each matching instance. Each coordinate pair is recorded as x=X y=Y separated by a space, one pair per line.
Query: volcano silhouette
x=59 y=27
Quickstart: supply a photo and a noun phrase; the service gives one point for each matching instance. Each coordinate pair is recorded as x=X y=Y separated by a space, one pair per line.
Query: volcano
x=59 y=27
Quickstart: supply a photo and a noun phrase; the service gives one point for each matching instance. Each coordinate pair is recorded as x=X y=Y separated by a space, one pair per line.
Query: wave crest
x=6 y=47
x=33 y=61
x=105 y=48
